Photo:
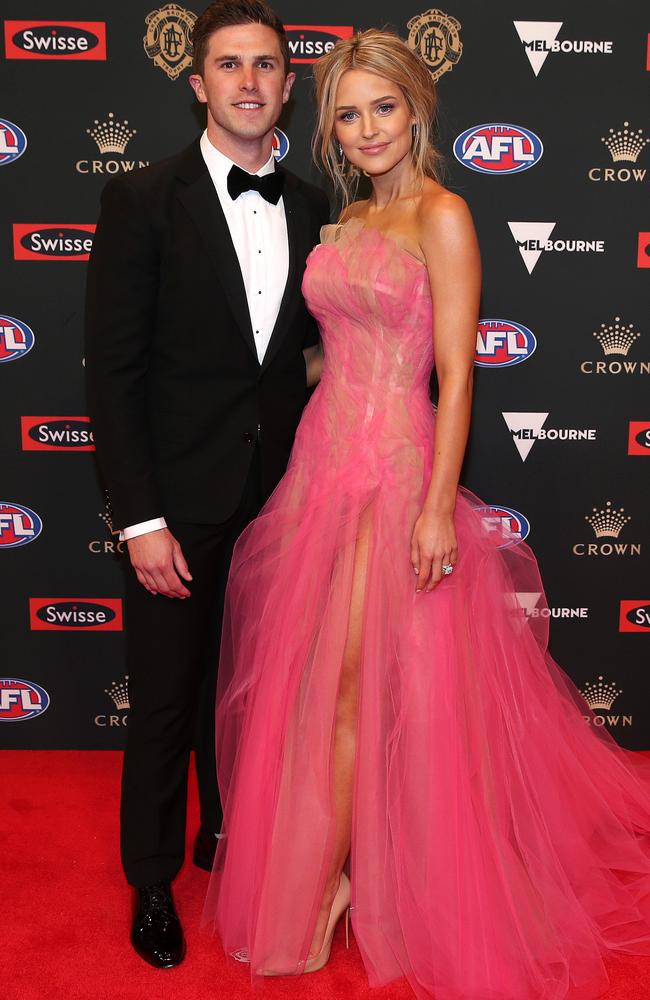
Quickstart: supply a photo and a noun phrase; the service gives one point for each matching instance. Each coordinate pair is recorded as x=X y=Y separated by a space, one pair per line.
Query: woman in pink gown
x=402 y=741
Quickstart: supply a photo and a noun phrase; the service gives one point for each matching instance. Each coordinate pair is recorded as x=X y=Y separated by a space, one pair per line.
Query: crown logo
x=600 y=695
x=608 y=522
x=119 y=692
x=616 y=338
x=625 y=144
x=111 y=136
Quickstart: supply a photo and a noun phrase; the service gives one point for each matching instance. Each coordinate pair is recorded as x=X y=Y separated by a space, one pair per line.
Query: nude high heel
x=340 y=904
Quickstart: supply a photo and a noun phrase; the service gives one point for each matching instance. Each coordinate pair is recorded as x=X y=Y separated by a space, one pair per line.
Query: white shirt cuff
x=142 y=528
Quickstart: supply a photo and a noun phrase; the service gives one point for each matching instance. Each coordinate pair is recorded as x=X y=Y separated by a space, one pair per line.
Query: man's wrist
x=142 y=528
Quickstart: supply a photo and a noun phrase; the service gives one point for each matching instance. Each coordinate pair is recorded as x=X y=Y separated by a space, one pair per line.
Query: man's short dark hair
x=227 y=14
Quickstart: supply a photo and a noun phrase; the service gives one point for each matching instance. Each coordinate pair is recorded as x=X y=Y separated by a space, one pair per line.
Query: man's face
x=243 y=82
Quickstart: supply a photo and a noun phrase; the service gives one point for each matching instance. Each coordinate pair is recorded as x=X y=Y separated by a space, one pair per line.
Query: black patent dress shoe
x=156 y=933
x=205 y=844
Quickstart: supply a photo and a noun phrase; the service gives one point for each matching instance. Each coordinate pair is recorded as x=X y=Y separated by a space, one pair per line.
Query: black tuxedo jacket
x=177 y=396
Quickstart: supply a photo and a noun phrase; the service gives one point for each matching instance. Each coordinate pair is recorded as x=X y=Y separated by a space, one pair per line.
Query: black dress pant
x=172 y=649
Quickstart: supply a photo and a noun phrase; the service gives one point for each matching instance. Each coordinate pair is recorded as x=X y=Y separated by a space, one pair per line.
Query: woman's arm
x=450 y=248
x=313 y=363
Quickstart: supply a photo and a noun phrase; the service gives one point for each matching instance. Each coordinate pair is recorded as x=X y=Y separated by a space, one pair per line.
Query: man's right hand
x=159 y=563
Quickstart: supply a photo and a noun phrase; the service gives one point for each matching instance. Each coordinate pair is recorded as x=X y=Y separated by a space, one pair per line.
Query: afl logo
x=51 y=242
x=56 y=434
x=498 y=149
x=506 y=526
x=74 y=614
x=13 y=142
x=280 y=145
x=55 y=40
x=16 y=338
x=308 y=42
x=21 y=700
x=18 y=525
x=501 y=343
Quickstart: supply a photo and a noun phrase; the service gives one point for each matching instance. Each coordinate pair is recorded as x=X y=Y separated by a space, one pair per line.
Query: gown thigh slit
x=500 y=841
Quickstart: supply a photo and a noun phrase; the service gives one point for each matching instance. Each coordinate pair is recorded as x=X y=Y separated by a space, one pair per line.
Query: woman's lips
x=373 y=150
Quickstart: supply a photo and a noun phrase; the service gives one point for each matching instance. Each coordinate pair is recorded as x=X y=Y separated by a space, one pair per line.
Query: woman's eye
x=384 y=109
x=347 y=116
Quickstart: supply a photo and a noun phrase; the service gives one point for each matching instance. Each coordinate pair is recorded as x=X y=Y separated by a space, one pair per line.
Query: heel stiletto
x=340 y=905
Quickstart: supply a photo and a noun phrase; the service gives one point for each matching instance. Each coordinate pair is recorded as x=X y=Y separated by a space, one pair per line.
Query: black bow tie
x=269 y=186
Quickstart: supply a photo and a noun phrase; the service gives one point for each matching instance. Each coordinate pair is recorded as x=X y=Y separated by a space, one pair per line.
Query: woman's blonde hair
x=387 y=55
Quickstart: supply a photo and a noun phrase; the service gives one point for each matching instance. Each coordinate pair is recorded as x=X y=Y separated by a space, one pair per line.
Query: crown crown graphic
x=600 y=695
x=616 y=338
x=119 y=692
x=608 y=522
x=625 y=144
x=111 y=136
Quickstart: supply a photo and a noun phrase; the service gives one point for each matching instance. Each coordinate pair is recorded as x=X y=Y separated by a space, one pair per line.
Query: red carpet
x=65 y=911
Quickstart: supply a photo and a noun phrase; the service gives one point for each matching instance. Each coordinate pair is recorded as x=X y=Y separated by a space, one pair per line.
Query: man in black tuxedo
x=199 y=351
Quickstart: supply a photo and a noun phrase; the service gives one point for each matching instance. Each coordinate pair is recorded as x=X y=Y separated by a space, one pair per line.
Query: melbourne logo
x=600 y=696
x=56 y=434
x=435 y=36
x=308 y=42
x=75 y=614
x=498 y=149
x=527 y=428
x=21 y=700
x=638 y=437
x=168 y=39
x=530 y=604
x=634 y=616
x=624 y=146
x=55 y=39
x=280 y=145
x=18 y=525
x=52 y=242
x=607 y=523
x=507 y=526
x=111 y=138
x=615 y=340
x=13 y=142
x=501 y=343
x=539 y=38
x=118 y=692
x=16 y=338
x=533 y=238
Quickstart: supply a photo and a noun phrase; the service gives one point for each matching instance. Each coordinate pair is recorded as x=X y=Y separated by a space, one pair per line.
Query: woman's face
x=372 y=121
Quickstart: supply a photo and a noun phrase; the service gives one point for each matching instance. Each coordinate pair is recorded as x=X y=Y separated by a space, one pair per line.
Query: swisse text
x=49 y=243
x=60 y=434
x=75 y=614
x=75 y=40
x=54 y=40
x=71 y=614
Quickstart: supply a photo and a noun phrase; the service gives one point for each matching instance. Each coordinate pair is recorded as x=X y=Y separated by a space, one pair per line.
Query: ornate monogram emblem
x=168 y=40
x=434 y=36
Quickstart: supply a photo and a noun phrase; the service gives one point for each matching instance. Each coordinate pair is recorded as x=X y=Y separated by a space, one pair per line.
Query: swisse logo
x=527 y=428
x=44 y=241
x=533 y=238
x=643 y=250
x=21 y=700
x=638 y=437
x=55 y=40
x=56 y=434
x=501 y=343
x=530 y=605
x=13 y=142
x=497 y=148
x=280 y=144
x=18 y=525
x=539 y=38
x=634 y=616
x=505 y=525
x=16 y=338
x=308 y=42
x=615 y=340
x=75 y=614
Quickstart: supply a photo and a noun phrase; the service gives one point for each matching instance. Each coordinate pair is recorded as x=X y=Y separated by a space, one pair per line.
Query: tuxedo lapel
x=294 y=210
x=202 y=204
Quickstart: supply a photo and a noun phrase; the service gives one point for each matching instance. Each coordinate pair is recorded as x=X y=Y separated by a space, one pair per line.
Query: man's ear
x=196 y=83
x=288 y=84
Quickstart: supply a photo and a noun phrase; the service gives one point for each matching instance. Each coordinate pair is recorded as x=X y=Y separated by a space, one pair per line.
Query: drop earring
x=341 y=155
x=414 y=131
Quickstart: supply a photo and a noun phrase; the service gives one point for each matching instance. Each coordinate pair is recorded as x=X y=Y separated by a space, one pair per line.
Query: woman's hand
x=433 y=544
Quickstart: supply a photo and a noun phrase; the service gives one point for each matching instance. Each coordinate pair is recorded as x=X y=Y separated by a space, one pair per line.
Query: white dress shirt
x=259 y=234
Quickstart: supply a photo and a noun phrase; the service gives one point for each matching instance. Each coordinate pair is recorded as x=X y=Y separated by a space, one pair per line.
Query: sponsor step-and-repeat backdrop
x=544 y=129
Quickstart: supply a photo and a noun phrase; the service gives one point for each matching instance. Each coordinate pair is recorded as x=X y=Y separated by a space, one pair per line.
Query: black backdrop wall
x=543 y=116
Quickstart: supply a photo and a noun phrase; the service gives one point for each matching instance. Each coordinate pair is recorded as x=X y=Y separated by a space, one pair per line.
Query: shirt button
x=247 y=437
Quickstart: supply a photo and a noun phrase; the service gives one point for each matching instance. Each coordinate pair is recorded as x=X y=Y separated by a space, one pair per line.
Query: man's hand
x=159 y=563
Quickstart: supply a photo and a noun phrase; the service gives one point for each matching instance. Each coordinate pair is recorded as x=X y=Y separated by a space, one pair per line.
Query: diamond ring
x=447 y=568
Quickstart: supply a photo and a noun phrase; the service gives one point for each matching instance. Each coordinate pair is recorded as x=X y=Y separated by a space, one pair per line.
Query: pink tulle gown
x=500 y=845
